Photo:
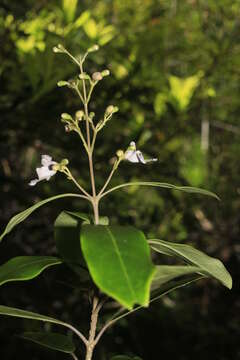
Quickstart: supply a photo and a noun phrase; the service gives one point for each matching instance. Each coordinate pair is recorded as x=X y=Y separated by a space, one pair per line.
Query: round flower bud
x=62 y=83
x=66 y=116
x=105 y=72
x=91 y=115
x=79 y=115
x=64 y=162
x=120 y=153
x=93 y=48
x=58 y=49
x=109 y=109
x=84 y=76
x=97 y=76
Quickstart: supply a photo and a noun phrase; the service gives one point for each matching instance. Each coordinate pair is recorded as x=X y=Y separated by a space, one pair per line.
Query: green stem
x=72 y=57
x=82 y=137
x=71 y=177
x=109 y=178
x=90 y=151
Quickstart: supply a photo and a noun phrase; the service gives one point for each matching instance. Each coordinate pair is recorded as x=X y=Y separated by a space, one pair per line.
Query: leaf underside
x=166 y=273
x=206 y=264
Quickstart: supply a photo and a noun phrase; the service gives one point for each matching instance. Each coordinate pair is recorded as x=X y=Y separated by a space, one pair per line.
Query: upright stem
x=92 y=332
x=109 y=178
x=90 y=152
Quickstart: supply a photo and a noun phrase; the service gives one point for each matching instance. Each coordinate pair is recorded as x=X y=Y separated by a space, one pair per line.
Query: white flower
x=45 y=172
x=135 y=156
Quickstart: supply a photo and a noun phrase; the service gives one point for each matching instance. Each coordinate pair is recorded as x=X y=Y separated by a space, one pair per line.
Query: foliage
x=144 y=47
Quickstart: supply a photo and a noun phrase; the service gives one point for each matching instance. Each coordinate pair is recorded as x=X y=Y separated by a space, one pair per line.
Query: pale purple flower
x=45 y=172
x=135 y=156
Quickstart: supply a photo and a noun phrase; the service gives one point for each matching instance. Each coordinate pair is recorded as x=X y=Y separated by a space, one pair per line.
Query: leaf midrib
x=121 y=262
x=178 y=252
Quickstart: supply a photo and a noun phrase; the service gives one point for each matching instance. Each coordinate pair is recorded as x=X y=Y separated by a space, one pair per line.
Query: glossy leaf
x=6 y=310
x=15 y=312
x=17 y=219
x=208 y=265
x=66 y=232
x=187 y=189
x=25 y=267
x=119 y=262
x=166 y=273
x=50 y=340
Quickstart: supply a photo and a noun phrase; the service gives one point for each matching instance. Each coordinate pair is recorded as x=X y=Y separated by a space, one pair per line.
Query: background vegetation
x=175 y=69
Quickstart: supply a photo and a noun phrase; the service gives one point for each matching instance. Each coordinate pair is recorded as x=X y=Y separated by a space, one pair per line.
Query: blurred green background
x=175 y=75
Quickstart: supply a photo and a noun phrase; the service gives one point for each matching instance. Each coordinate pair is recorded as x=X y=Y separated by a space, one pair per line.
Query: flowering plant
x=116 y=259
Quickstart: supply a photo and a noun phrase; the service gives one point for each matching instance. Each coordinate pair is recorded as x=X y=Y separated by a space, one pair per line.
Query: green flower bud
x=59 y=49
x=66 y=116
x=79 y=115
x=105 y=72
x=115 y=109
x=120 y=154
x=109 y=110
x=62 y=83
x=64 y=162
x=93 y=48
x=97 y=76
x=84 y=76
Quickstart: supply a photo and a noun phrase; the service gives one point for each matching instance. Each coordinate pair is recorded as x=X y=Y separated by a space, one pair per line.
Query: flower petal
x=33 y=182
x=131 y=156
x=44 y=172
x=140 y=157
x=46 y=160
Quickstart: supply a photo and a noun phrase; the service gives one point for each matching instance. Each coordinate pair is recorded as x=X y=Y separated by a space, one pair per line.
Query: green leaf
x=119 y=262
x=81 y=19
x=181 y=90
x=91 y=28
x=25 y=267
x=66 y=232
x=6 y=310
x=166 y=273
x=69 y=8
x=208 y=265
x=188 y=189
x=52 y=341
x=9 y=311
x=160 y=105
x=17 y=219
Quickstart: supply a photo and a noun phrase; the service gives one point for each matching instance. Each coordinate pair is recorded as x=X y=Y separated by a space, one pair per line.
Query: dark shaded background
x=175 y=72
